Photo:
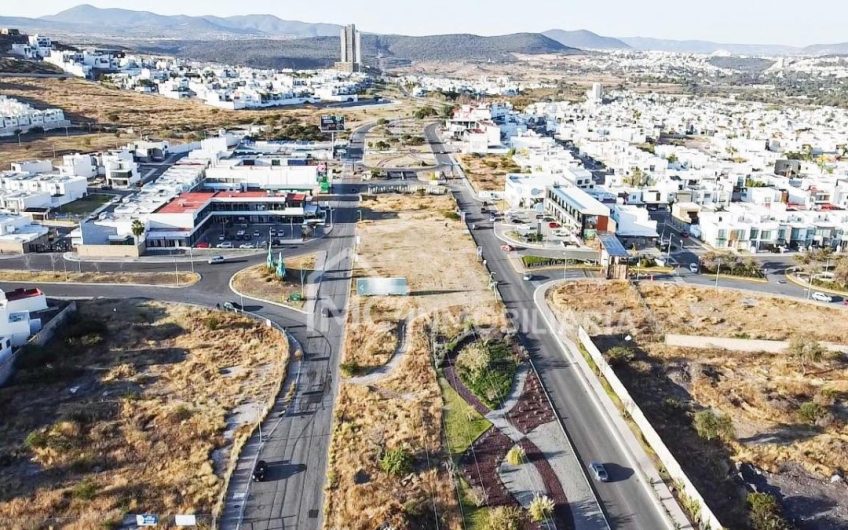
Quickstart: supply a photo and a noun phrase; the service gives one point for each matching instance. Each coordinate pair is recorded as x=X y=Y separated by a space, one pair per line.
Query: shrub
x=503 y=518
x=350 y=369
x=487 y=370
x=396 y=462
x=541 y=508
x=766 y=513
x=212 y=323
x=36 y=440
x=810 y=411
x=85 y=490
x=710 y=425
x=516 y=455
x=618 y=355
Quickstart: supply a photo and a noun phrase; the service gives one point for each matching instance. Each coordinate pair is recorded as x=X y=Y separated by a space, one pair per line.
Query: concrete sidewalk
x=639 y=459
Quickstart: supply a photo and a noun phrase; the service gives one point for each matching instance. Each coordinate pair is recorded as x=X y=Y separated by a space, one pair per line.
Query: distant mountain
x=585 y=40
x=700 y=46
x=827 y=49
x=319 y=52
x=90 y=21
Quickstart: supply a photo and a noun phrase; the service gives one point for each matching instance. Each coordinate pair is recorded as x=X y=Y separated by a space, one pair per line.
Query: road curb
x=111 y=284
x=612 y=415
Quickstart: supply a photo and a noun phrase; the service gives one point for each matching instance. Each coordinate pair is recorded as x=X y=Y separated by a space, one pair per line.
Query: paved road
x=625 y=499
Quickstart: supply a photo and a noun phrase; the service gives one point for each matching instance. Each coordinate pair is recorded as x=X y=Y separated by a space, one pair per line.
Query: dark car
x=260 y=470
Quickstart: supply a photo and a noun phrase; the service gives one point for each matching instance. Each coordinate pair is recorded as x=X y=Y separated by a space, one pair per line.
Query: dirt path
x=387 y=369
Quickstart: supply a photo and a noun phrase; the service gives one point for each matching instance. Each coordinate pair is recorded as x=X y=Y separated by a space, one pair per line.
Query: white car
x=225 y=244
x=694 y=268
x=216 y=259
x=821 y=297
x=528 y=277
x=246 y=245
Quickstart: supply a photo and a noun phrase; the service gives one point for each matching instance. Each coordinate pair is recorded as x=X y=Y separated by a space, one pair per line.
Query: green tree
x=137 y=229
x=711 y=426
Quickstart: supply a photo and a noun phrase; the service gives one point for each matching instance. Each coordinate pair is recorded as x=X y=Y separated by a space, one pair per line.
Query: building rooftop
x=22 y=293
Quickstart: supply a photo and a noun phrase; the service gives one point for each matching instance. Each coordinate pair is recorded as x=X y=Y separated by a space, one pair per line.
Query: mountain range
x=87 y=21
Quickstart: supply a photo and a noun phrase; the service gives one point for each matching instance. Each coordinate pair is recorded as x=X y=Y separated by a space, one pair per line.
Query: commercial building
x=576 y=209
x=351 y=50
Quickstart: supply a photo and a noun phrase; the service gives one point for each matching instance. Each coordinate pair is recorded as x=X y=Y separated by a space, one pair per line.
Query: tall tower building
x=351 y=52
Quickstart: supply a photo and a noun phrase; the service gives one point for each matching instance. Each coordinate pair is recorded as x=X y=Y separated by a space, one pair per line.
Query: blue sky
x=738 y=21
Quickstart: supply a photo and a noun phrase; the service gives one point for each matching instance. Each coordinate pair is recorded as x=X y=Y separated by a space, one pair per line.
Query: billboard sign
x=382 y=287
x=332 y=123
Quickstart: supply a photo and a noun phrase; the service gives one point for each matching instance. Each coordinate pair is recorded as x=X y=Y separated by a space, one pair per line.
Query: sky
x=787 y=22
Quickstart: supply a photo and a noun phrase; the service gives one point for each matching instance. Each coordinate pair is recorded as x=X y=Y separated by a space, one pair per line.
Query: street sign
x=332 y=123
x=147 y=519
x=185 y=520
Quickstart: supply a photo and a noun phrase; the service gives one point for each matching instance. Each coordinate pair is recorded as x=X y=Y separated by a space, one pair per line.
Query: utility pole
x=176 y=269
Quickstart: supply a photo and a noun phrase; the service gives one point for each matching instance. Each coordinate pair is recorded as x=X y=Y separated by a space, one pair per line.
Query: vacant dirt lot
x=131 y=409
x=129 y=115
x=399 y=144
x=488 y=173
x=403 y=410
x=788 y=414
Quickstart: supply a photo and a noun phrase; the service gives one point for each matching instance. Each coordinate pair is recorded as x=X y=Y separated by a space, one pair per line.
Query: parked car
x=246 y=245
x=599 y=471
x=216 y=259
x=553 y=225
x=222 y=237
x=260 y=470
x=821 y=297
x=202 y=244
x=517 y=221
x=256 y=233
x=225 y=244
x=694 y=268
x=684 y=235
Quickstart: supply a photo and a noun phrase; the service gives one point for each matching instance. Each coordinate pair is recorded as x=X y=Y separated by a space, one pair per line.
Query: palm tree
x=137 y=229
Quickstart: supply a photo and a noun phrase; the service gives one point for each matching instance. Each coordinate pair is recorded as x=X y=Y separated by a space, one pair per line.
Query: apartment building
x=576 y=209
x=16 y=116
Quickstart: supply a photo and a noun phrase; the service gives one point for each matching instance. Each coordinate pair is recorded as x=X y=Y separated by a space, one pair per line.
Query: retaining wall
x=708 y=520
x=7 y=362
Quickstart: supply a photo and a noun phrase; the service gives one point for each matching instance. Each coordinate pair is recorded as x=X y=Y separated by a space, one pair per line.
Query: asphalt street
x=626 y=501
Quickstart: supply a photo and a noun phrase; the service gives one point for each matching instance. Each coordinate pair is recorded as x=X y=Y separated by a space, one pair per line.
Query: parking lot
x=253 y=235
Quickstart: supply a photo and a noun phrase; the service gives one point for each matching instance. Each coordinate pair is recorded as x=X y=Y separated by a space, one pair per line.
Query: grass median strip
x=463 y=424
x=164 y=279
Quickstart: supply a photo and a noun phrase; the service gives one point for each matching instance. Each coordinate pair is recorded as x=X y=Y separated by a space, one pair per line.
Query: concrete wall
x=743 y=345
x=110 y=251
x=651 y=437
x=7 y=362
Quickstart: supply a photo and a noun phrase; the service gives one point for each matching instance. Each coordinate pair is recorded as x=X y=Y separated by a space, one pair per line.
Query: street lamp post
x=718 y=269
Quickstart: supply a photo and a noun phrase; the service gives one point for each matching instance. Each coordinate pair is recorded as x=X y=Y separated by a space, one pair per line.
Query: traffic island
x=157 y=279
x=264 y=283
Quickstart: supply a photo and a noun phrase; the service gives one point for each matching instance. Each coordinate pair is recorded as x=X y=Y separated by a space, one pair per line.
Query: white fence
x=708 y=520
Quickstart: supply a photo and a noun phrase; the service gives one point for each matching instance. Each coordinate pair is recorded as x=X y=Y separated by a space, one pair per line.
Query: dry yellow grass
x=182 y=279
x=398 y=154
x=762 y=393
x=260 y=283
x=482 y=176
x=136 y=114
x=131 y=414
x=405 y=409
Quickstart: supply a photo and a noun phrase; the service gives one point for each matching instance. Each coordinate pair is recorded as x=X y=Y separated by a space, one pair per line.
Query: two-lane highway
x=627 y=501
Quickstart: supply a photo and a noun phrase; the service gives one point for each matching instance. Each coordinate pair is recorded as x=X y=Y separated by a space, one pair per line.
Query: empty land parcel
x=134 y=406
x=783 y=413
x=387 y=455
x=126 y=115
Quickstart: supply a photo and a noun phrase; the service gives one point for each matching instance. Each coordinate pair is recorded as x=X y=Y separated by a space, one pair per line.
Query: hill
x=585 y=40
x=827 y=49
x=320 y=52
x=88 y=20
x=701 y=46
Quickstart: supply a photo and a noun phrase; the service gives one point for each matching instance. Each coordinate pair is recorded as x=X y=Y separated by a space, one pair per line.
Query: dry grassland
x=398 y=154
x=448 y=287
x=131 y=413
x=135 y=114
x=182 y=279
x=482 y=176
x=260 y=283
x=785 y=413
